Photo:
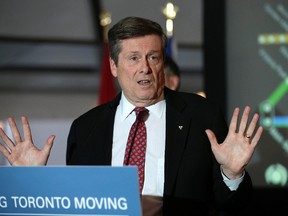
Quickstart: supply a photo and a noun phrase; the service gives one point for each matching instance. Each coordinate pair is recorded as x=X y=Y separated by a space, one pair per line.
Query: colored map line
x=275 y=121
x=280 y=121
x=279 y=92
x=268 y=39
x=268 y=118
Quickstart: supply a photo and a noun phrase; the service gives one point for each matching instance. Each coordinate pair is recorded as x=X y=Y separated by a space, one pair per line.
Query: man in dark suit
x=193 y=160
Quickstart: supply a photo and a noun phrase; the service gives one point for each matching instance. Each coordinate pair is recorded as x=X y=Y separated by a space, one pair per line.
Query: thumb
x=48 y=145
x=212 y=138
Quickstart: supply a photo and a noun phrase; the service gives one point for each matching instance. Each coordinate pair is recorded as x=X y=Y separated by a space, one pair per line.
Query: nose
x=145 y=67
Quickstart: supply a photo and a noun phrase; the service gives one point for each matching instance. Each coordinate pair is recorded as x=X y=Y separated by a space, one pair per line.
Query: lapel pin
x=180 y=127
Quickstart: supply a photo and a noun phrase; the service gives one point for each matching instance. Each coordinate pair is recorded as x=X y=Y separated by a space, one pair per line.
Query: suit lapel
x=177 y=126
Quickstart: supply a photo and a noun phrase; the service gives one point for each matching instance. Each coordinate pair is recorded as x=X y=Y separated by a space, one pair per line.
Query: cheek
x=124 y=78
x=161 y=77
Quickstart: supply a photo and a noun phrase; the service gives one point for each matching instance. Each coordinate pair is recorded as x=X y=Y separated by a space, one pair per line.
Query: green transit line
x=279 y=92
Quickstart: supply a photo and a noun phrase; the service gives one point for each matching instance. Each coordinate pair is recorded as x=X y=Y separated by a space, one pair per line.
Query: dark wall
x=214 y=51
x=263 y=200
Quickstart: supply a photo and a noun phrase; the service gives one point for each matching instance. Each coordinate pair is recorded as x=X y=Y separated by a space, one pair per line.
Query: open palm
x=22 y=152
x=239 y=145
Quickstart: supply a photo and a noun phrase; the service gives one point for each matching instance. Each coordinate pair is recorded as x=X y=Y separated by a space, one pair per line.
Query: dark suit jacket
x=192 y=176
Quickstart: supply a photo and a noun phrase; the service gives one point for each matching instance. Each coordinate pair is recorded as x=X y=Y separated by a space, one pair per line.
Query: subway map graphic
x=274 y=110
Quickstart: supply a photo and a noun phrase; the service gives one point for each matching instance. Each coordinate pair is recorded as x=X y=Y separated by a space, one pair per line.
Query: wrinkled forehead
x=141 y=44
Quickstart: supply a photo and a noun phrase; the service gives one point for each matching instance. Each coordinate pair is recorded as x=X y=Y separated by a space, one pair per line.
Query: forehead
x=145 y=43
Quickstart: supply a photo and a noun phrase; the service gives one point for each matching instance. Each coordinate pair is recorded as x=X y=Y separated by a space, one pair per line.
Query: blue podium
x=69 y=190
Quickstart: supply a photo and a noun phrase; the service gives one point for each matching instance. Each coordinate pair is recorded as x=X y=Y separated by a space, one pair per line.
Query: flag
x=171 y=49
x=107 y=88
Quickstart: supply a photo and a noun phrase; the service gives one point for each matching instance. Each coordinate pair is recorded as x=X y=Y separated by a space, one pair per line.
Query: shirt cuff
x=232 y=184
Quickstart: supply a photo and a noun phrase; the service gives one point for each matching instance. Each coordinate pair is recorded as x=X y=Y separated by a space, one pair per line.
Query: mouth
x=144 y=82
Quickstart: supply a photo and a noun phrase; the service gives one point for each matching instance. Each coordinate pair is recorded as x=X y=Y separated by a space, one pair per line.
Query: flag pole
x=107 y=87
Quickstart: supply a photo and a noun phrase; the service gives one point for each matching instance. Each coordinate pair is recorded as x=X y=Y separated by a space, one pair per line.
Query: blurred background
x=52 y=68
x=52 y=54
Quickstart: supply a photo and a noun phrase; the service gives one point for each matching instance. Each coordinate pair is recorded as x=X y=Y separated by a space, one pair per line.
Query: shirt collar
x=126 y=108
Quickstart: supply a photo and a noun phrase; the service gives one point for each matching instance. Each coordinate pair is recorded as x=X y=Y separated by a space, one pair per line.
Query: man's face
x=140 y=70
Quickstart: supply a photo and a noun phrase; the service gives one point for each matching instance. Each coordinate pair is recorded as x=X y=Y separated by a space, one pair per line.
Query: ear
x=113 y=67
x=174 y=82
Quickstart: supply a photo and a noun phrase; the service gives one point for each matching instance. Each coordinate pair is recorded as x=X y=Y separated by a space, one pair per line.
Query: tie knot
x=141 y=113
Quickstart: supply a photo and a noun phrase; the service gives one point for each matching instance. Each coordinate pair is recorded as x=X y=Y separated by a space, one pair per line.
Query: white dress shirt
x=156 y=135
x=155 y=126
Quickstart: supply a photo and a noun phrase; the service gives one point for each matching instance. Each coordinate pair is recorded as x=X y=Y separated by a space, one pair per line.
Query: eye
x=133 y=59
x=154 y=59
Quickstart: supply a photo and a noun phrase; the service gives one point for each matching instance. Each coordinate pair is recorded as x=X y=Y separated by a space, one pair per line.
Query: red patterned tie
x=136 y=144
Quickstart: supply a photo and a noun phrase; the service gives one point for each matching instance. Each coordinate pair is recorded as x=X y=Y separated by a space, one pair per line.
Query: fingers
x=26 y=129
x=250 y=130
x=3 y=149
x=245 y=128
x=244 y=120
x=233 y=123
x=15 y=132
x=257 y=136
x=7 y=140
